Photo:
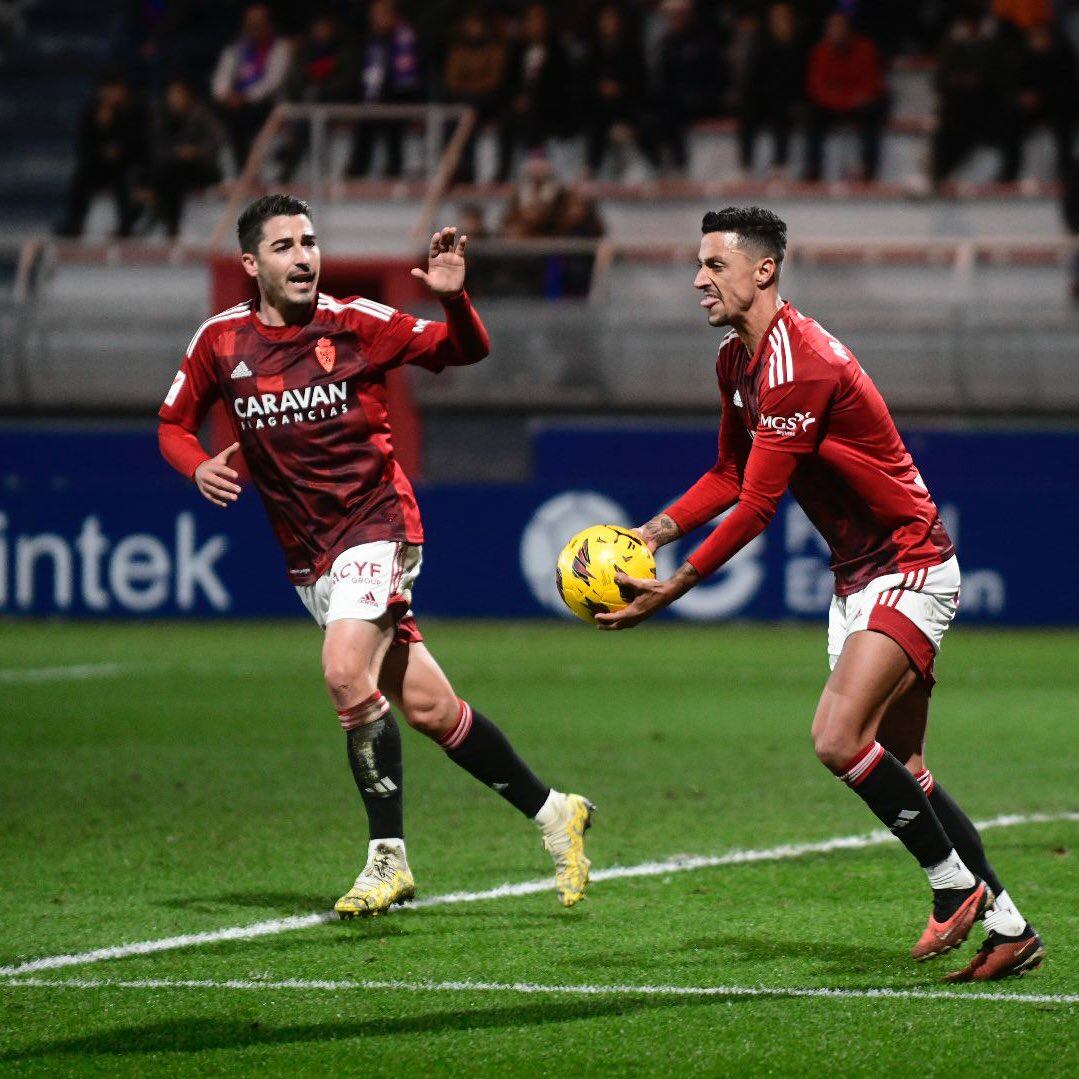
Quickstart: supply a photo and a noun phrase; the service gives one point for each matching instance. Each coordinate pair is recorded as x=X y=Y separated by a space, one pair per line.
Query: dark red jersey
x=801 y=413
x=308 y=407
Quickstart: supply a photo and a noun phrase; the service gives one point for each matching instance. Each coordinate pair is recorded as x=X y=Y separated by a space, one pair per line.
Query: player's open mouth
x=301 y=279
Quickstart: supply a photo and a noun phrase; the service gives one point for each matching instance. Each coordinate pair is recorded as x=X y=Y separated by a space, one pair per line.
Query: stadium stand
x=943 y=292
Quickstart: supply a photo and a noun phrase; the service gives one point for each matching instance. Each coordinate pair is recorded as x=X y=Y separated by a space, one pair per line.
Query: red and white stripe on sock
x=859 y=768
x=460 y=729
x=925 y=781
x=367 y=711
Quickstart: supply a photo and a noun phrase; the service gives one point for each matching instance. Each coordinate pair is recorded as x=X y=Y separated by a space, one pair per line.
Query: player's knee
x=432 y=714
x=834 y=747
x=346 y=680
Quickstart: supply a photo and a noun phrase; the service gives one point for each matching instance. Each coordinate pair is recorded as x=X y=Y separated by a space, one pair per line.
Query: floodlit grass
x=190 y=778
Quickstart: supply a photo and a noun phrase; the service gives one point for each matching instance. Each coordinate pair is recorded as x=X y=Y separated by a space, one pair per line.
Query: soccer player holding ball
x=799 y=413
x=302 y=376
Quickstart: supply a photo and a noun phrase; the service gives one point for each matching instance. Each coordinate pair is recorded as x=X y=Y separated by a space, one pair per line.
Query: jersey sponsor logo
x=175 y=388
x=305 y=404
x=358 y=573
x=241 y=370
x=325 y=353
x=788 y=426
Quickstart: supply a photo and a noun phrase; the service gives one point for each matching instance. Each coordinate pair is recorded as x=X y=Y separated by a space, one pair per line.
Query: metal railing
x=442 y=156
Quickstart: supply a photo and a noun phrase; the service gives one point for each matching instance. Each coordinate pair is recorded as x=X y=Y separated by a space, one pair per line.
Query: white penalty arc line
x=678 y=864
x=344 y=986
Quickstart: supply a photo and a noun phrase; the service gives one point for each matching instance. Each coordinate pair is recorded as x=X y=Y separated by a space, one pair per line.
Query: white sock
x=1004 y=917
x=951 y=873
x=398 y=846
x=551 y=811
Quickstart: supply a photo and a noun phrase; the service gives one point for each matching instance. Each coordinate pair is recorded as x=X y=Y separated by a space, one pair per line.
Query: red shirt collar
x=280 y=333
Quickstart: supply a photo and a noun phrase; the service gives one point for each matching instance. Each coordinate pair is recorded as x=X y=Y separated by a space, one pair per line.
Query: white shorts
x=365 y=582
x=913 y=608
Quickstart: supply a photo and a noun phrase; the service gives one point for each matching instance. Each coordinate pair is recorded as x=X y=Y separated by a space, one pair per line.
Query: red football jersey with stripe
x=307 y=404
x=802 y=412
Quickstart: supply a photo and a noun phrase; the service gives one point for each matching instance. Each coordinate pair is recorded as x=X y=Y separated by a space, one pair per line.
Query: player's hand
x=445 y=273
x=216 y=481
x=649 y=596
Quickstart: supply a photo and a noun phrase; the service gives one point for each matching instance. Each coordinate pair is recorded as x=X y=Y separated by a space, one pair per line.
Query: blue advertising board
x=94 y=524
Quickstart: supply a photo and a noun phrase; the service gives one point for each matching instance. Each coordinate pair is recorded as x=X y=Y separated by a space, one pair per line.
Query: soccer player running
x=303 y=378
x=799 y=413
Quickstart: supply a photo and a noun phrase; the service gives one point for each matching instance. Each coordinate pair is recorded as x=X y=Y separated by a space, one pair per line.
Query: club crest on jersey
x=325 y=353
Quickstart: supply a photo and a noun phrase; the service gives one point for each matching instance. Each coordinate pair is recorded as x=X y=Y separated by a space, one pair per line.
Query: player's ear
x=767 y=271
x=250 y=264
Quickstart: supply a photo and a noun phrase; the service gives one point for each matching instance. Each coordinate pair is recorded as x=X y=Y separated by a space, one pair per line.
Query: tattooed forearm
x=659 y=530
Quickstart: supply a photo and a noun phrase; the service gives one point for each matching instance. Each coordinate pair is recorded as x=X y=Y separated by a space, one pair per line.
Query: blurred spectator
x=149 y=43
x=472 y=222
x=110 y=154
x=187 y=144
x=474 y=75
x=772 y=85
x=845 y=85
x=577 y=215
x=615 y=85
x=249 y=75
x=390 y=74
x=1024 y=14
x=1071 y=219
x=977 y=82
x=1049 y=91
x=324 y=69
x=534 y=206
x=12 y=23
x=535 y=91
x=542 y=206
x=687 y=83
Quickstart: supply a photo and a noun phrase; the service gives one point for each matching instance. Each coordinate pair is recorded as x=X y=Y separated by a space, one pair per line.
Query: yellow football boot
x=385 y=880
x=564 y=841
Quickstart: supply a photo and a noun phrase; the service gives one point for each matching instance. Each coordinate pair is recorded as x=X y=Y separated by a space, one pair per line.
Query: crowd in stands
x=193 y=78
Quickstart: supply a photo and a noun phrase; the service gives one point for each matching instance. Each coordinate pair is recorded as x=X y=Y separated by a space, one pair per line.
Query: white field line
x=79 y=672
x=319 y=986
x=677 y=864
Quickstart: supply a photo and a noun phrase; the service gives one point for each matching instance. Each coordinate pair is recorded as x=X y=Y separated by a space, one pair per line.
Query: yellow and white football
x=587 y=565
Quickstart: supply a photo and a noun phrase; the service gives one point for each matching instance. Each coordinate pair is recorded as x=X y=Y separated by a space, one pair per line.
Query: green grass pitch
x=162 y=780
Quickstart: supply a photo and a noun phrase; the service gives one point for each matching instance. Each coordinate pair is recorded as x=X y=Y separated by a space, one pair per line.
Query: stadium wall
x=94 y=524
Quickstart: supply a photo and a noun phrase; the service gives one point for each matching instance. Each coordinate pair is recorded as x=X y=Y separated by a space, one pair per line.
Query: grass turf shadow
x=201 y=1034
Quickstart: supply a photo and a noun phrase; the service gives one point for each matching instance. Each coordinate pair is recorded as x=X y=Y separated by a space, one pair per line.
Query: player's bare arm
x=649 y=596
x=445 y=273
x=658 y=532
x=216 y=481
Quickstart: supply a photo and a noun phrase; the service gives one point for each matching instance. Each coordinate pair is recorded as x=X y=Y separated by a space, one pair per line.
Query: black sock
x=374 y=752
x=896 y=798
x=961 y=831
x=483 y=751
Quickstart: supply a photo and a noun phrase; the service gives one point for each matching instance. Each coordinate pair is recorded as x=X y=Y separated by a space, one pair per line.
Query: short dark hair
x=249 y=227
x=753 y=224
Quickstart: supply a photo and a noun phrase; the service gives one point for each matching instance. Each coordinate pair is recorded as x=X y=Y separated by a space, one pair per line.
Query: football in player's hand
x=587 y=565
